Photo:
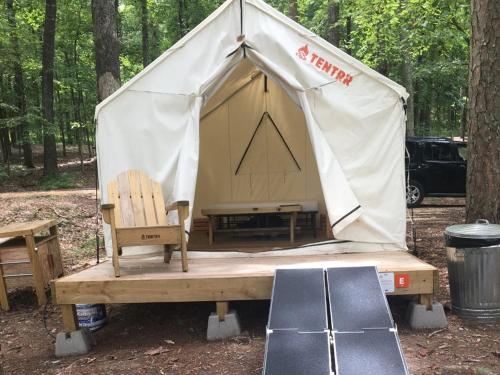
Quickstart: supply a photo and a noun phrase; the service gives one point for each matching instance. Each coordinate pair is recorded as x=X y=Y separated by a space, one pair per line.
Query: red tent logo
x=303 y=52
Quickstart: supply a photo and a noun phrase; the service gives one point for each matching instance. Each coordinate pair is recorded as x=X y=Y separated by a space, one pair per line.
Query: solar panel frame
x=297 y=353
x=352 y=308
x=374 y=352
x=298 y=301
x=359 y=289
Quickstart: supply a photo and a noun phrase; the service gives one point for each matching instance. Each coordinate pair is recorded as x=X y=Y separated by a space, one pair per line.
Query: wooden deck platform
x=224 y=279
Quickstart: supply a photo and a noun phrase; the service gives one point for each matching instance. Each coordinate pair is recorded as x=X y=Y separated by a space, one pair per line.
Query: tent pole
x=284 y=142
x=250 y=143
x=253 y=136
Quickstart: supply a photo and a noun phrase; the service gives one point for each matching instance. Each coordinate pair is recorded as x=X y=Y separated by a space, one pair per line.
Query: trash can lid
x=481 y=229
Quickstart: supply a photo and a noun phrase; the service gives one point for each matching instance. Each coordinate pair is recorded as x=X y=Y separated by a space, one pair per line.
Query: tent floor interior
x=250 y=243
x=148 y=279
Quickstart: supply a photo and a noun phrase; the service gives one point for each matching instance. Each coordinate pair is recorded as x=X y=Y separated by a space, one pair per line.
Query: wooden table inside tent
x=29 y=250
x=291 y=210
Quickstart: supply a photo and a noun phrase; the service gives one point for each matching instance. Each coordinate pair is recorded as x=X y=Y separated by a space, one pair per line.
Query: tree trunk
x=333 y=19
x=69 y=133
x=383 y=67
x=145 y=33
x=483 y=169
x=61 y=121
x=406 y=70
x=181 y=18
x=84 y=120
x=49 y=138
x=107 y=47
x=118 y=21
x=19 y=86
x=5 y=142
x=463 y=115
x=347 y=37
x=463 y=122
x=154 y=51
x=6 y=149
x=78 y=119
x=293 y=11
x=63 y=135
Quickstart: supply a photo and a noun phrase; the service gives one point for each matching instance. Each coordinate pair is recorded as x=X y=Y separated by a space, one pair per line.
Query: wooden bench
x=291 y=210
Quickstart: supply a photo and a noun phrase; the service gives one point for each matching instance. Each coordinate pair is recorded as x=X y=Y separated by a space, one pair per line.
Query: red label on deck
x=402 y=280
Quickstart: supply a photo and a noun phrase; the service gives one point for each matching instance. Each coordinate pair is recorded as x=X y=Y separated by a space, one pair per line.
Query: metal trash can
x=473 y=257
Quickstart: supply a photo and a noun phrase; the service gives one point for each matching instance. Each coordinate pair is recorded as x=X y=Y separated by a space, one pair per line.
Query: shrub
x=3 y=175
x=57 y=181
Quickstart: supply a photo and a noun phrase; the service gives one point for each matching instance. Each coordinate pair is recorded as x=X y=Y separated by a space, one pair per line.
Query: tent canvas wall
x=254 y=145
x=355 y=117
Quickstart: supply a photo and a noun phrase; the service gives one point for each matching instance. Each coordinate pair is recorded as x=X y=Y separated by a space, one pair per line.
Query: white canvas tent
x=343 y=123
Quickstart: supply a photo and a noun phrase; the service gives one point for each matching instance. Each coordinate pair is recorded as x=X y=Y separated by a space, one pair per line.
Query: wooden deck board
x=220 y=279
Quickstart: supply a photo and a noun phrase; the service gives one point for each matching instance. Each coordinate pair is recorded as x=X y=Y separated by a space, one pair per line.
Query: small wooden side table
x=29 y=250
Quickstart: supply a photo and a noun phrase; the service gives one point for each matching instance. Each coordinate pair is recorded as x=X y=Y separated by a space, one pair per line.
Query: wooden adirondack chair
x=138 y=216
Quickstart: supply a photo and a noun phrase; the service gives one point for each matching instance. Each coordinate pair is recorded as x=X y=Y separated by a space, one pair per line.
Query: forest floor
x=170 y=338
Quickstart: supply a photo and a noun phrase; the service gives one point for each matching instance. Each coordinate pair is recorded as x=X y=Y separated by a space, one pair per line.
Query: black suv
x=437 y=167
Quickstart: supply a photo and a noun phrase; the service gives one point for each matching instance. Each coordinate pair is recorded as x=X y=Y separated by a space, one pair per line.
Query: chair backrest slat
x=147 y=196
x=114 y=198
x=138 y=200
x=124 y=195
x=159 y=203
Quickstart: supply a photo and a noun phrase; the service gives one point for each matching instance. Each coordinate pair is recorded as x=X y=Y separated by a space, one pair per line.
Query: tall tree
x=407 y=74
x=145 y=33
x=49 y=138
x=333 y=22
x=19 y=86
x=293 y=11
x=182 y=18
x=483 y=174
x=107 y=47
x=407 y=81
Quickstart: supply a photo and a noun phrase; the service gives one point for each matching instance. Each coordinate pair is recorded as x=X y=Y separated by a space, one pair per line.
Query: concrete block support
x=420 y=317
x=74 y=343
x=222 y=329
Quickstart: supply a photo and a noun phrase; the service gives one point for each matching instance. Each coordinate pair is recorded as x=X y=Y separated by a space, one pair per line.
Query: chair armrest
x=107 y=212
x=176 y=205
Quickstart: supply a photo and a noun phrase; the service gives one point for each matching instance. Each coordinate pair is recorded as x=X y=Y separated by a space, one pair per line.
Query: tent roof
x=240 y=39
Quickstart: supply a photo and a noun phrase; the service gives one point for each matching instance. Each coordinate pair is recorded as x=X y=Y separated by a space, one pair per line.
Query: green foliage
x=433 y=35
x=3 y=175
x=87 y=249
x=57 y=181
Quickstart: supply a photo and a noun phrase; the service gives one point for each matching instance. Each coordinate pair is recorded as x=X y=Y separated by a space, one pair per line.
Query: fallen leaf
x=157 y=351
x=422 y=353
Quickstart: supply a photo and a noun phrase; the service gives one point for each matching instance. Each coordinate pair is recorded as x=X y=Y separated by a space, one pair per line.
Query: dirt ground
x=169 y=338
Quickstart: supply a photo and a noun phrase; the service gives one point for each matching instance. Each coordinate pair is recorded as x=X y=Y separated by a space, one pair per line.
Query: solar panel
x=295 y=353
x=365 y=341
x=299 y=300
x=356 y=299
x=374 y=352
